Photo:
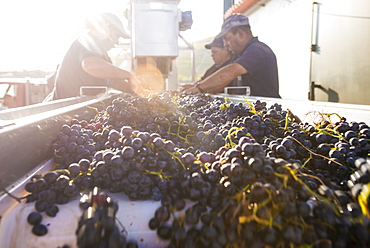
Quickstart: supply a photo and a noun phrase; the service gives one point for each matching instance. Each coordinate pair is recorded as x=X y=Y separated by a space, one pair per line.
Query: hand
x=186 y=87
x=121 y=85
x=192 y=89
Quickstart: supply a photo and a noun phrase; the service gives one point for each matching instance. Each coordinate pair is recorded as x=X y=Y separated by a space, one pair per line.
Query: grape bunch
x=97 y=225
x=75 y=142
x=227 y=174
x=255 y=201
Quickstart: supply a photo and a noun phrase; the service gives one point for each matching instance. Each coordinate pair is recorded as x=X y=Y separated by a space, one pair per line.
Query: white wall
x=285 y=26
x=342 y=63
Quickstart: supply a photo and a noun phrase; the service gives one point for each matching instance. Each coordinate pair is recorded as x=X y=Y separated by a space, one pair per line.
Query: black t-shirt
x=70 y=76
x=260 y=62
x=215 y=68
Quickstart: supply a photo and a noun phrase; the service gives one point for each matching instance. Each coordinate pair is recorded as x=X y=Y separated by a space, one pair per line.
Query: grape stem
x=159 y=174
x=177 y=158
x=18 y=199
x=316 y=154
x=252 y=109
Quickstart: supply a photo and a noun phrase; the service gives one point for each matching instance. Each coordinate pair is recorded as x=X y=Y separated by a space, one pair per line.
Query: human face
x=234 y=42
x=219 y=54
x=112 y=39
x=114 y=36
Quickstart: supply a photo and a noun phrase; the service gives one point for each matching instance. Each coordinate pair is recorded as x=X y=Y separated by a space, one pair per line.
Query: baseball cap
x=116 y=23
x=215 y=42
x=234 y=20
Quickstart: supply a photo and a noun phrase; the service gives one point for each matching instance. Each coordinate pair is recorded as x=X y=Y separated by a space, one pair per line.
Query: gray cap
x=216 y=42
x=114 y=21
x=234 y=20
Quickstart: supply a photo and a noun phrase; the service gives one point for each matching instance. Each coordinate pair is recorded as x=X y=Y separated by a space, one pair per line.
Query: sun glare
x=37 y=33
x=150 y=80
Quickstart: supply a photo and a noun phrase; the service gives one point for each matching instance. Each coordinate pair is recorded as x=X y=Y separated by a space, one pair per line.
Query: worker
x=255 y=63
x=86 y=63
x=221 y=56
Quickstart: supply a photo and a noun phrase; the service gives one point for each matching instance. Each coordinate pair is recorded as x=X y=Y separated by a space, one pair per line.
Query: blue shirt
x=260 y=62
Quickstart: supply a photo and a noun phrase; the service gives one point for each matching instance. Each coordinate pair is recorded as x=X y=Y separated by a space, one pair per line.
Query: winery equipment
x=155 y=29
x=27 y=134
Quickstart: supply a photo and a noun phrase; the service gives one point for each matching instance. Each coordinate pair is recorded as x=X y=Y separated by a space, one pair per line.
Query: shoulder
x=257 y=48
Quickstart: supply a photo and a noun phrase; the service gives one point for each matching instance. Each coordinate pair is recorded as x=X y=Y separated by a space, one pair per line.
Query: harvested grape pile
x=255 y=175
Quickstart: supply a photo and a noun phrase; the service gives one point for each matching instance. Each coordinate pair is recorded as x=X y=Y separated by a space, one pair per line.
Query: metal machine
x=155 y=29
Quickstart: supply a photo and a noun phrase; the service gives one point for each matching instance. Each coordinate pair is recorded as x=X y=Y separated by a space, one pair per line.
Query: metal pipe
x=193 y=72
x=314 y=37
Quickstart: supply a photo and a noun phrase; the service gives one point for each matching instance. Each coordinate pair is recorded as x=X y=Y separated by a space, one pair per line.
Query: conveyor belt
x=25 y=141
x=25 y=149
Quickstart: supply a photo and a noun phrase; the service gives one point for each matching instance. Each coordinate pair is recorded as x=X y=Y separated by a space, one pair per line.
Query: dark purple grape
x=34 y=218
x=41 y=206
x=30 y=186
x=39 y=230
x=158 y=143
x=162 y=214
x=72 y=147
x=113 y=136
x=126 y=131
x=52 y=210
x=40 y=185
x=74 y=170
x=128 y=152
x=71 y=190
x=137 y=143
x=164 y=231
x=61 y=183
x=84 y=164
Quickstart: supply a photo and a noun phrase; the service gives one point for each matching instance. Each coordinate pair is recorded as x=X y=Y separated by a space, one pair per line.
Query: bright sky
x=35 y=34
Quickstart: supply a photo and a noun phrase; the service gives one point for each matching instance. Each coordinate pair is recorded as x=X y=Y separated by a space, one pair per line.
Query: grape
x=52 y=210
x=39 y=230
x=30 y=186
x=164 y=231
x=126 y=131
x=34 y=218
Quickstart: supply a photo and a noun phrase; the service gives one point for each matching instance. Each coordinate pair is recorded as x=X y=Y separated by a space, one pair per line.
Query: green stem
x=177 y=158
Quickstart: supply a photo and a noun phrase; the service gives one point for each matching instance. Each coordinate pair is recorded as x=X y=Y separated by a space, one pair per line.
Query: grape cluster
x=97 y=225
x=273 y=203
x=74 y=143
x=227 y=174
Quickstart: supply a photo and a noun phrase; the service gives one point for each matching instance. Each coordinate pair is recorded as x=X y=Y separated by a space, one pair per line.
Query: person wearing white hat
x=86 y=63
x=256 y=63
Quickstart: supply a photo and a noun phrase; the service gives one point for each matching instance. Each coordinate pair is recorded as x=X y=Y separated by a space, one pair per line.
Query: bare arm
x=100 y=68
x=190 y=85
x=220 y=79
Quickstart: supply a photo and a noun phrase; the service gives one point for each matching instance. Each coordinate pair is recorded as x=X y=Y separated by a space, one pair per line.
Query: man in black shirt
x=220 y=55
x=86 y=63
x=256 y=63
